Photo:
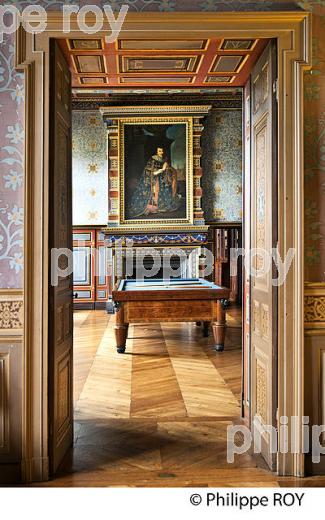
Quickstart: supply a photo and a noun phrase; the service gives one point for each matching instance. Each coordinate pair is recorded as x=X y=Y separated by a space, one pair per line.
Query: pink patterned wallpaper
x=12 y=133
x=11 y=168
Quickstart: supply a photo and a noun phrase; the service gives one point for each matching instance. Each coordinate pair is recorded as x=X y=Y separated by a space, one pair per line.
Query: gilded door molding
x=292 y=30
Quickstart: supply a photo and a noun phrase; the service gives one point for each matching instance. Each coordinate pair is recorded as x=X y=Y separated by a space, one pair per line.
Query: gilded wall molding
x=125 y=111
x=315 y=307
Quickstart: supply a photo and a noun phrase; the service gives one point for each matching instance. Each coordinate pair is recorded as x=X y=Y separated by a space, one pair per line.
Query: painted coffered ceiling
x=161 y=63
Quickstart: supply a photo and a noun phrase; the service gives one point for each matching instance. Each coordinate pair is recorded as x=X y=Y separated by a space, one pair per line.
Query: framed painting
x=156 y=171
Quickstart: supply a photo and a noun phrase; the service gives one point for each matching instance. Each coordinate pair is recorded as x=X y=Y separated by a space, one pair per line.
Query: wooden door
x=60 y=236
x=264 y=237
x=246 y=334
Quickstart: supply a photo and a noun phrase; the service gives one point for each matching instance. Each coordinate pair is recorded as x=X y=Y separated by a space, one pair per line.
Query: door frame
x=293 y=33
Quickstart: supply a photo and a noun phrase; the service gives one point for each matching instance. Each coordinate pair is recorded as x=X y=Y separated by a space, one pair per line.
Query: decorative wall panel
x=4 y=405
x=222 y=166
x=315 y=149
x=315 y=364
x=89 y=169
x=315 y=306
x=261 y=392
x=11 y=167
x=261 y=155
x=11 y=314
x=314 y=309
x=91 y=276
x=64 y=375
x=10 y=402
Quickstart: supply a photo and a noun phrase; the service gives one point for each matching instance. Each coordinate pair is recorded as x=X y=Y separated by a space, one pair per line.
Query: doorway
x=295 y=23
x=168 y=382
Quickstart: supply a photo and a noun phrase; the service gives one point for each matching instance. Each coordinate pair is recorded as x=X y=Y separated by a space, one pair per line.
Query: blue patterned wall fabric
x=89 y=169
x=222 y=166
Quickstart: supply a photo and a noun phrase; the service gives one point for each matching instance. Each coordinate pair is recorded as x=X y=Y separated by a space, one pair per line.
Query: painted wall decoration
x=11 y=168
x=89 y=169
x=11 y=129
x=315 y=150
x=154 y=170
x=222 y=166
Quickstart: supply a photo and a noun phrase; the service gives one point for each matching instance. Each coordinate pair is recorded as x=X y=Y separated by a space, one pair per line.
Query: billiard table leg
x=219 y=327
x=121 y=330
x=206 y=325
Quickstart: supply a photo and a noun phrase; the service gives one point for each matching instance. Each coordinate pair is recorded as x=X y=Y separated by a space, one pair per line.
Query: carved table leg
x=121 y=330
x=219 y=326
x=206 y=325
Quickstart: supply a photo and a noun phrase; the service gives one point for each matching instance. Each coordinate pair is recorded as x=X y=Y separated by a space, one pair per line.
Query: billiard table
x=174 y=300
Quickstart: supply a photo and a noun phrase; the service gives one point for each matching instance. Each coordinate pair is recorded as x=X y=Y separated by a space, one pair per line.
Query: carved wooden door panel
x=264 y=238
x=60 y=236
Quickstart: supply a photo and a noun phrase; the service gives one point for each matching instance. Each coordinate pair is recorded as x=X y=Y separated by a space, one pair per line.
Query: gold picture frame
x=117 y=119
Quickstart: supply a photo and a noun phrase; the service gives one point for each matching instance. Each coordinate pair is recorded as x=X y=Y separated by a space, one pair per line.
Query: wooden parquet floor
x=157 y=416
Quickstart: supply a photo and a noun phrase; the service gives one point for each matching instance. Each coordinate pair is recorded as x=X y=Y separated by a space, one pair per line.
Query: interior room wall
x=11 y=168
x=12 y=153
x=222 y=166
x=221 y=162
x=89 y=169
x=12 y=110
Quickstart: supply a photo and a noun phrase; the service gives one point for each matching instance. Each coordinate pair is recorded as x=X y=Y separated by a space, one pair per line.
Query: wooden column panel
x=84 y=242
x=113 y=154
x=315 y=367
x=92 y=283
x=198 y=215
x=227 y=272
x=103 y=280
x=11 y=356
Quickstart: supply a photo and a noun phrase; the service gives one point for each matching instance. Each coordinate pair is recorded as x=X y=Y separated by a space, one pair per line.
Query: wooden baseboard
x=89 y=306
x=84 y=306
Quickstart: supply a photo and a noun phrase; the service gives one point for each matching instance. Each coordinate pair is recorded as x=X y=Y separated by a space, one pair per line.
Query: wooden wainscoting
x=315 y=365
x=11 y=354
x=223 y=237
x=91 y=284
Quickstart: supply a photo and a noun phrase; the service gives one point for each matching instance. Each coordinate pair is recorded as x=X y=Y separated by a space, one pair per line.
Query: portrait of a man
x=155 y=171
x=157 y=188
